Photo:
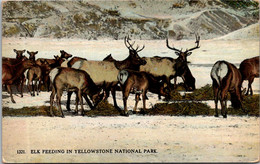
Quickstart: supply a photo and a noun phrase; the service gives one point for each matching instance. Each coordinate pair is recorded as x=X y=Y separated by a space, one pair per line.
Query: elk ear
x=189 y=53
x=61 y=51
x=28 y=52
x=15 y=50
x=177 y=53
x=24 y=51
x=36 y=52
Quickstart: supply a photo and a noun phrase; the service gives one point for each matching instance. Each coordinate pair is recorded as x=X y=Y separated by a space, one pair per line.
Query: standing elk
x=12 y=73
x=34 y=75
x=140 y=83
x=107 y=71
x=64 y=56
x=226 y=78
x=249 y=69
x=73 y=80
x=19 y=57
x=182 y=69
x=12 y=61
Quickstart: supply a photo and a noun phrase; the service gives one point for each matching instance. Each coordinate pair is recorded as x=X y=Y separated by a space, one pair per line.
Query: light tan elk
x=76 y=81
x=12 y=73
x=226 y=78
x=140 y=83
x=107 y=71
x=249 y=69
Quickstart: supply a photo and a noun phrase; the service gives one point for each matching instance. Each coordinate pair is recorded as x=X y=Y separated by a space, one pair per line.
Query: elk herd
x=93 y=80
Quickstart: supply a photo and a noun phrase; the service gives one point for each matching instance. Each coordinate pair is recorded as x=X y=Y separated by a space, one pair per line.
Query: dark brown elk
x=182 y=69
x=226 y=78
x=12 y=61
x=249 y=69
x=12 y=73
x=19 y=57
x=140 y=83
x=73 y=80
x=46 y=68
x=34 y=75
x=107 y=71
x=64 y=56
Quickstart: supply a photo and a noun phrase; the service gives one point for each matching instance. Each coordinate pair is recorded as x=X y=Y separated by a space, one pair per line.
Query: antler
x=130 y=47
x=196 y=42
x=172 y=48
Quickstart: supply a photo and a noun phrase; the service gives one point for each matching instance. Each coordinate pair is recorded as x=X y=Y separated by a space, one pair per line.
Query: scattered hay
x=29 y=111
x=181 y=109
x=103 y=109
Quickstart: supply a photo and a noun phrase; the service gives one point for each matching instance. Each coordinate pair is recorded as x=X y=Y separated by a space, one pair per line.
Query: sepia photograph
x=130 y=81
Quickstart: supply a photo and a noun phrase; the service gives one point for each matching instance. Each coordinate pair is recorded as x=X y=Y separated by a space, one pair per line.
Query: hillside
x=179 y=19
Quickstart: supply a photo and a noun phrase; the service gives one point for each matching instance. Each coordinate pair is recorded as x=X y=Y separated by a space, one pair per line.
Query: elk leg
x=10 y=91
x=113 y=91
x=144 y=105
x=216 y=94
x=59 y=94
x=22 y=87
x=76 y=104
x=250 y=81
x=33 y=87
x=68 y=100
x=88 y=101
x=137 y=98
x=51 y=101
x=126 y=92
x=223 y=98
x=81 y=102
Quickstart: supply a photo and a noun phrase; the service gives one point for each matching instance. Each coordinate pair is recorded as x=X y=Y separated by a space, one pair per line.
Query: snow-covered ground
x=176 y=139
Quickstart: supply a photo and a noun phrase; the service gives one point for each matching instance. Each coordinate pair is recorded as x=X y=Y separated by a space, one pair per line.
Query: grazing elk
x=140 y=83
x=107 y=71
x=12 y=73
x=226 y=78
x=34 y=75
x=182 y=69
x=73 y=80
x=249 y=69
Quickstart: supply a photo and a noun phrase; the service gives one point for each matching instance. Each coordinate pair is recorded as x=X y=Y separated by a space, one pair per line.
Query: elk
x=12 y=61
x=226 y=78
x=19 y=57
x=249 y=69
x=140 y=83
x=74 y=60
x=34 y=75
x=107 y=71
x=64 y=56
x=182 y=69
x=73 y=80
x=12 y=73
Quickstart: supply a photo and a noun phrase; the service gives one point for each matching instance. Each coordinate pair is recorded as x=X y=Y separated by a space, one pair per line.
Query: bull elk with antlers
x=182 y=69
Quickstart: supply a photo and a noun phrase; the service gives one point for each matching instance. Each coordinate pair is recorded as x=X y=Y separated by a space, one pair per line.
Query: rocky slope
x=179 y=19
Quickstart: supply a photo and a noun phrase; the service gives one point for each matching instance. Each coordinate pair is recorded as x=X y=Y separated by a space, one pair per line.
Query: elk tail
x=122 y=76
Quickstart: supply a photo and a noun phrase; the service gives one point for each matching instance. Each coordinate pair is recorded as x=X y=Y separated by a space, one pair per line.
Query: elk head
x=32 y=55
x=133 y=53
x=183 y=55
x=65 y=54
x=19 y=53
